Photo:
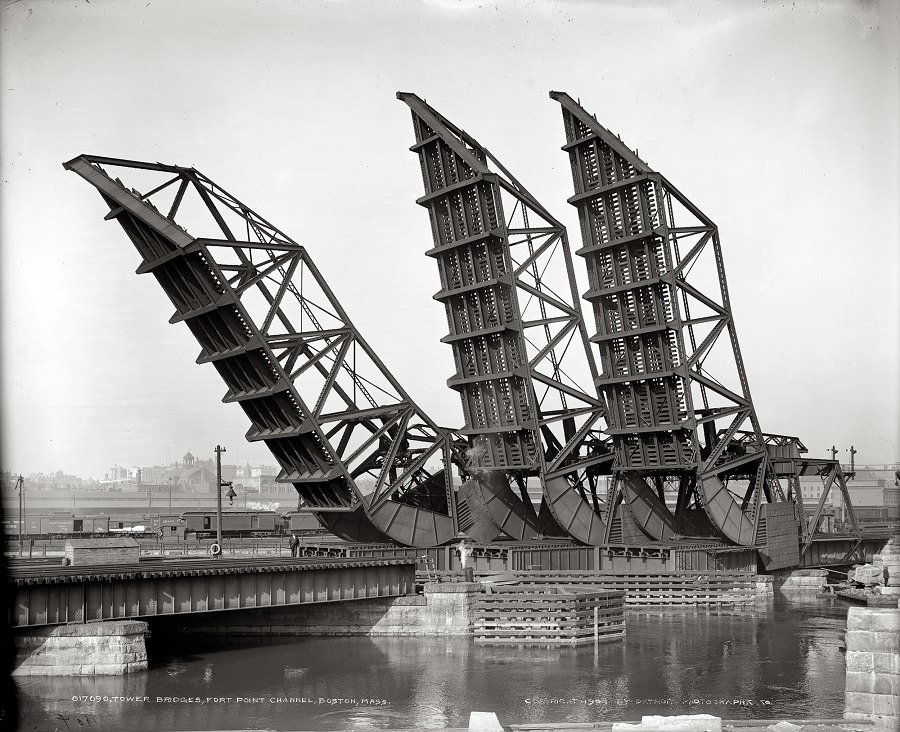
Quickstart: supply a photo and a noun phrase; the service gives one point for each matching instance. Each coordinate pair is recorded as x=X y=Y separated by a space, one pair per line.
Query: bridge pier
x=873 y=666
x=806 y=581
x=91 y=649
x=889 y=561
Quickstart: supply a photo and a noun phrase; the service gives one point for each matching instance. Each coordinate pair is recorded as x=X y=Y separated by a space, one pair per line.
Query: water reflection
x=775 y=660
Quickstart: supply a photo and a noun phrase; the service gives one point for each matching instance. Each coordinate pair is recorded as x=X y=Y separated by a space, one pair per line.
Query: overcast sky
x=779 y=120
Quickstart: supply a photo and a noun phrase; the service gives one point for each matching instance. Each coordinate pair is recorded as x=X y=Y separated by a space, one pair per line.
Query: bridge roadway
x=53 y=594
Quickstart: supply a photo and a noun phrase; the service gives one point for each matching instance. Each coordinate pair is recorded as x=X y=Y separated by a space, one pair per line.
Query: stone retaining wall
x=873 y=666
x=92 y=649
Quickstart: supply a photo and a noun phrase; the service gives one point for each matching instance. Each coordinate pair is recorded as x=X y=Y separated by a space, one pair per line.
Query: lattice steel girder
x=519 y=342
x=345 y=433
x=661 y=305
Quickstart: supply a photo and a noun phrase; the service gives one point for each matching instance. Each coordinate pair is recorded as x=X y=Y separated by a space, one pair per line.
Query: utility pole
x=219 y=451
x=20 y=487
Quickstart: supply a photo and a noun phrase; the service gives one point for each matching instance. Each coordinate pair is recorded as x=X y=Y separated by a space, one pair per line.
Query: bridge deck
x=49 y=595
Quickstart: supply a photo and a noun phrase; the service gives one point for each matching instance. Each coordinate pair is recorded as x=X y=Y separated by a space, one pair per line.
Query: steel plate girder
x=98 y=599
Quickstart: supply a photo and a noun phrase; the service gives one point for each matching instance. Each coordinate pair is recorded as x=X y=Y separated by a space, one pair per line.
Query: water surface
x=777 y=661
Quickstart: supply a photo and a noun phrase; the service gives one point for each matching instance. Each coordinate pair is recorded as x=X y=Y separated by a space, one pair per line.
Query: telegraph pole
x=20 y=486
x=219 y=451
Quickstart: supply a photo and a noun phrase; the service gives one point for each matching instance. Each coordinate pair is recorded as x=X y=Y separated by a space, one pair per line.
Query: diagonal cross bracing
x=519 y=342
x=658 y=322
x=343 y=430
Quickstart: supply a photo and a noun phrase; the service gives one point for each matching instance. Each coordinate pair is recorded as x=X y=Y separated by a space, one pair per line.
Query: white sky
x=779 y=120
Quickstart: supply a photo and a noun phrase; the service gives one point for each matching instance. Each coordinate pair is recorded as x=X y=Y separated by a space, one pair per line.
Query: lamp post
x=219 y=451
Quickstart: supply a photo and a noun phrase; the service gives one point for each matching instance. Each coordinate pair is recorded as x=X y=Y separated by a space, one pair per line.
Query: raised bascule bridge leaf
x=680 y=412
x=656 y=441
x=524 y=367
x=352 y=442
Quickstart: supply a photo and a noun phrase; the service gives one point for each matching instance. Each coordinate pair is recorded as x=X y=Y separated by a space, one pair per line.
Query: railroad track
x=29 y=573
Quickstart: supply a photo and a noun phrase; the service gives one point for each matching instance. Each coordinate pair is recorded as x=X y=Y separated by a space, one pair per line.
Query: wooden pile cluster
x=659 y=588
x=548 y=615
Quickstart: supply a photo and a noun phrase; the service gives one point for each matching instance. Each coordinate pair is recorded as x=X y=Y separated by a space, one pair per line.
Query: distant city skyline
x=779 y=120
x=122 y=465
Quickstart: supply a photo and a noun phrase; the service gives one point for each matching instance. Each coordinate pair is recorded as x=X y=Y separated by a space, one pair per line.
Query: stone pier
x=888 y=559
x=873 y=666
x=804 y=581
x=90 y=649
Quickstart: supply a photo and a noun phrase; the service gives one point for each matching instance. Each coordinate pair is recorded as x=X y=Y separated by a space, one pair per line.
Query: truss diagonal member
x=312 y=394
x=505 y=267
x=647 y=335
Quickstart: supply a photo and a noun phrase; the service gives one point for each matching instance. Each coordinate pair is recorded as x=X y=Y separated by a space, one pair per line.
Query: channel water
x=777 y=660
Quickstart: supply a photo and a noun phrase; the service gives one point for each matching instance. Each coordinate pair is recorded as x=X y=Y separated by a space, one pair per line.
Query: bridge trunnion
x=352 y=442
x=520 y=348
x=662 y=311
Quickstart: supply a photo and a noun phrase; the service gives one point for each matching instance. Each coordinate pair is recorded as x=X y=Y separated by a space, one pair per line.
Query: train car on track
x=204 y=524
x=305 y=524
x=69 y=525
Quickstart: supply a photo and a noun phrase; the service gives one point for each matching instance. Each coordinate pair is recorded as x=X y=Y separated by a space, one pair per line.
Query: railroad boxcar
x=204 y=524
x=162 y=520
x=56 y=525
x=303 y=523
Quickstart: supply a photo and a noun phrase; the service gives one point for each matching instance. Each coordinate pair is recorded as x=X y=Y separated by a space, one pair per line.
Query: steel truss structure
x=520 y=348
x=671 y=363
x=667 y=412
x=360 y=453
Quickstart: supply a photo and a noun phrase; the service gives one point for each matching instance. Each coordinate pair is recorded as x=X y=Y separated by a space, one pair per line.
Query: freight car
x=62 y=525
x=304 y=524
x=69 y=525
x=204 y=524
